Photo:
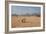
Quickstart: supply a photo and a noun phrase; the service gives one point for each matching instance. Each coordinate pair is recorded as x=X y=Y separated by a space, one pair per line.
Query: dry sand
x=25 y=21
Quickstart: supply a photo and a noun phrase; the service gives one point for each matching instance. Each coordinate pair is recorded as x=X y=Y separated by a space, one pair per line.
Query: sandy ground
x=25 y=21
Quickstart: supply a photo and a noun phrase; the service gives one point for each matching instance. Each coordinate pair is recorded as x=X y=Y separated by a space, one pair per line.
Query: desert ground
x=25 y=21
